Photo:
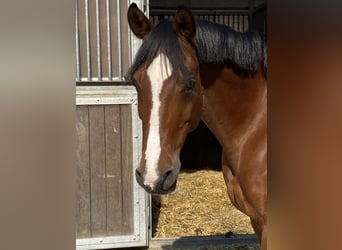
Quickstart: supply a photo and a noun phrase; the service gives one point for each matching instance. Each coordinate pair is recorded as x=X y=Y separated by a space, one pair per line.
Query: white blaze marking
x=158 y=71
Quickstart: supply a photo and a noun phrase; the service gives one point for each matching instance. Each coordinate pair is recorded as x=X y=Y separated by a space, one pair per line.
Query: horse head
x=166 y=75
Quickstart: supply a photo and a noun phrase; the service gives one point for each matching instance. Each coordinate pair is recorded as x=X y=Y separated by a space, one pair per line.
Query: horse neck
x=233 y=105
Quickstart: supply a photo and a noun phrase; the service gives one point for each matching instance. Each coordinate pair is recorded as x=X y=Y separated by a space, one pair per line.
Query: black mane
x=215 y=43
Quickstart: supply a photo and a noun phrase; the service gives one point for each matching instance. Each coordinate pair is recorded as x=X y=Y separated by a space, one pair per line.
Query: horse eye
x=189 y=83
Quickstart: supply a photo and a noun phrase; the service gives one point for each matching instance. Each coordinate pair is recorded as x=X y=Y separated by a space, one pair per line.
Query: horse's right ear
x=138 y=22
x=184 y=23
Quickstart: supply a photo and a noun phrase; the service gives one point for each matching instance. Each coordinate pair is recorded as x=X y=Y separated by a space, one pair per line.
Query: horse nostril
x=168 y=173
x=137 y=173
x=167 y=179
x=139 y=177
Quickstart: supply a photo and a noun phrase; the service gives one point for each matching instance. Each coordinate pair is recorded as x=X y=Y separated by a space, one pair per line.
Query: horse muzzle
x=165 y=182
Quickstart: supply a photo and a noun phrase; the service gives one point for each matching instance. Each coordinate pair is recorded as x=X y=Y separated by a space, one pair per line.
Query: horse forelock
x=162 y=39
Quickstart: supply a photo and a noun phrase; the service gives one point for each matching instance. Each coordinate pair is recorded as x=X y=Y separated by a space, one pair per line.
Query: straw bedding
x=199 y=206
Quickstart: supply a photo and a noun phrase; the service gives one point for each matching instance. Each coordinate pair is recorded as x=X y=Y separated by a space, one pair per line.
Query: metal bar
x=118 y=14
x=109 y=42
x=96 y=79
x=98 y=41
x=245 y=23
x=130 y=60
x=196 y=12
x=147 y=8
x=77 y=46
x=87 y=39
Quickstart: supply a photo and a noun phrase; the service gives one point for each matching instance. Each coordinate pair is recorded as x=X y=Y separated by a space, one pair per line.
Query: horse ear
x=184 y=22
x=138 y=22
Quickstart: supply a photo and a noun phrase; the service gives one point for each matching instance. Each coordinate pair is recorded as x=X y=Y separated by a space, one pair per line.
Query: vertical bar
x=129 y=42
x=118 y=14
x=97 y=170
x=241 y=23
x=77 y=46
x=226 y=20
x=109 y=42
x=82 y=173
x=88 y=39
x=98 y=41
x=246 y=23
x=113 y=169
x=147 y=8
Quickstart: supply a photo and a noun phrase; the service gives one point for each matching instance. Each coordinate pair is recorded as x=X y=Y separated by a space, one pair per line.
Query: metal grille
x=238 y=20
x=104 y=44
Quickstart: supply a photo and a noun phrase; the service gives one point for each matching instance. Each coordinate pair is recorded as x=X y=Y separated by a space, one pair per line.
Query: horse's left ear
x=184 y=22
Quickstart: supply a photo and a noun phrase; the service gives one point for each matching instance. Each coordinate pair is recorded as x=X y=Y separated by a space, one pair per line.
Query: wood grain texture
x=97 y=170
x=105 y=205
x=127 y=175
x=113 y=170
x=82 y=173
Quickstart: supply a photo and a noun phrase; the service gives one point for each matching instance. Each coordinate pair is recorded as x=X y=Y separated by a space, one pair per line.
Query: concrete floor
x=235 y=242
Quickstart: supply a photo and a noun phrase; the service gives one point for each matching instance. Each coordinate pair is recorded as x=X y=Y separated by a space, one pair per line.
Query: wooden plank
x=127 y=176
x=97 y=170
x=82 y=173
x=113 y=169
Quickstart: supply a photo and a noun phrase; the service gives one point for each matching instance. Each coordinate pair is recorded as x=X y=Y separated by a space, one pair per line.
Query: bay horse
x=185 y=71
